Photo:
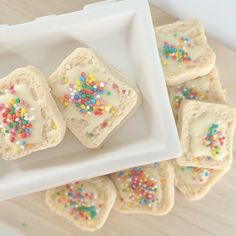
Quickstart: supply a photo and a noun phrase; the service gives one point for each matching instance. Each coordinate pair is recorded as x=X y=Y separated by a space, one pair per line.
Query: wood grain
x=214 y=215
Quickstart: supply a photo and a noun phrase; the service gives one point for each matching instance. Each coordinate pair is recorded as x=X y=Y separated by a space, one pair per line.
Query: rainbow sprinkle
x=87 y=94
x=214 y=139
x=140 y=187
x=198 y=174
x=187 y=92
x=16 y=121
x=23 y=225
x=177 y=53
x=79 y=201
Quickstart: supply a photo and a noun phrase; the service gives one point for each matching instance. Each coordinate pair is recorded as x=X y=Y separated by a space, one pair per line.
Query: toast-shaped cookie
x=146 y=189
x=86 y=203
x=93 y=97
x=29 y=118
x=184 y=51
x=195 y=182
x=206 y=133
x=204 y=88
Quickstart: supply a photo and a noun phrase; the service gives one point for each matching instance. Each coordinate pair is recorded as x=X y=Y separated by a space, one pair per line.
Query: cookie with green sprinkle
x=204 y=88
x=195 y=182
x=93 y=97
x=86 y=203
x=29 y=118
x=184 y=51
x=146 y=189
x=206 y=133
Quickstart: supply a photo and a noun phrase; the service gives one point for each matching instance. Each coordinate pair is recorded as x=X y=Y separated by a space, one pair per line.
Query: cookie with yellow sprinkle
x=29 y=118
x=206 y=133
x=204 y=88
x=93 y=97
x=86 y=203
x=146 y=189
x=184 y=51
x=195 y=182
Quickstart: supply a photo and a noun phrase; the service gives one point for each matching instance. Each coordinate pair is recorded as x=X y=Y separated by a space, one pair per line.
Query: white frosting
x=194 y=51
x=24 y=93
x=198 y=130
x=71 y=112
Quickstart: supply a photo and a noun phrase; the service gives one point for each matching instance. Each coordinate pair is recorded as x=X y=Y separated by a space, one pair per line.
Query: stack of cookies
x=204 y=119
x=205 y=123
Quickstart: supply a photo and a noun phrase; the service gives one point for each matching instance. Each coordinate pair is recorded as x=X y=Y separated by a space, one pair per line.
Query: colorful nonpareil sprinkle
x=178 y=53
x=187 y=92
x=53 y=125
x=16 y=120
x=199 y=175
x=214 y=139
x=140 y=187
x=23 y=225
x=90 y=135
x=87 y=95
x=78 y=201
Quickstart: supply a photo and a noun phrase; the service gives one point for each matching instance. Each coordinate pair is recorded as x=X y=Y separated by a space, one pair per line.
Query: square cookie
x=204 y=88
x=146 y=189
x=195 y=182
x=206 y=133
x=86 y=203
x=29 y=118
x=184 y=51
x=93 y=97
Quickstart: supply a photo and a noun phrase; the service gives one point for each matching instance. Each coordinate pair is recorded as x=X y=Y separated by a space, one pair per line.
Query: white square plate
x=122 y=33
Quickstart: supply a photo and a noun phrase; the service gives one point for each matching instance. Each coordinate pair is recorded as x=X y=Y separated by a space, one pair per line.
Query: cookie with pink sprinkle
x=85 y=203
x=146 y=189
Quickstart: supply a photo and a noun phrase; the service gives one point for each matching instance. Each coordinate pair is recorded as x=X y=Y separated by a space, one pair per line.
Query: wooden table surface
x=214 y=215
